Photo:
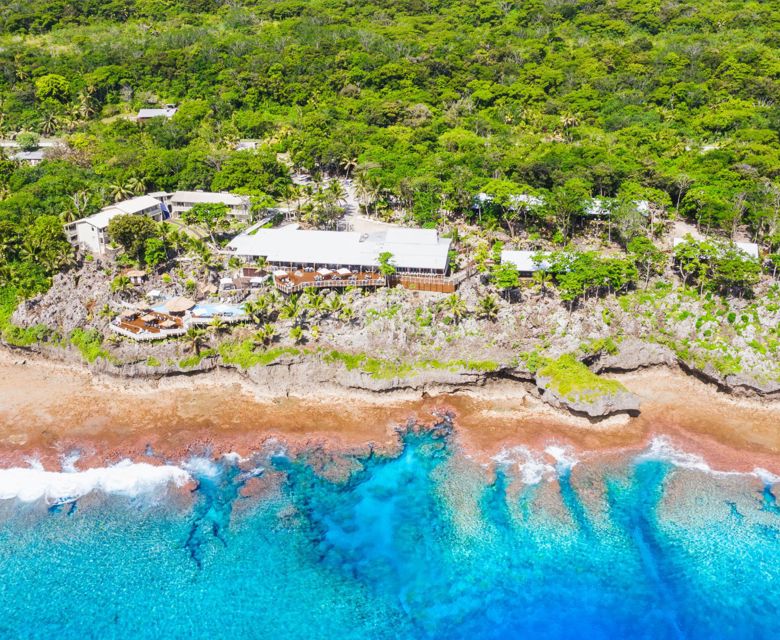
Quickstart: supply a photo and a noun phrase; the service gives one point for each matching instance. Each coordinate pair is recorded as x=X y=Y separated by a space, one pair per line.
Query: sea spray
x=125 y=478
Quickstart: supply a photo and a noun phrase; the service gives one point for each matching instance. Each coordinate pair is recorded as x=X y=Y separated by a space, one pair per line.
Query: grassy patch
x=20 y=336
x=383 y=369
x=89 y=343
x=243 y=354
x=574 y=381
x=151 y=361
x=196 y=358
x=375 y=367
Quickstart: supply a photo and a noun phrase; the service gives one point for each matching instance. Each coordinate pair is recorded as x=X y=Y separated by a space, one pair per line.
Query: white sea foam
x=203 y=467
x=767 y=477
x=661 y=448
x=126 y=478
x=533 y=467
x=69 y=462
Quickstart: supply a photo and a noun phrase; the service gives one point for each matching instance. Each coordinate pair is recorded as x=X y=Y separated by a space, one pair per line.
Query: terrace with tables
x=147 y=325
x=173 y=318
x=301 y=279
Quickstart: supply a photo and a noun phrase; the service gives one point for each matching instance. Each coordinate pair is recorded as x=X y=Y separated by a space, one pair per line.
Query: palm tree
x=290 y=309
x=68 y=215
x=316 y=303
x=135 y=185
x=266 y=334
x=542 y=280
x=296 y=333
x=85 y=106
x=216 y=327
x=121 y=284
x=50 y=123
x=257 y=310
x=208 y=261
x=106 y=311
x=487 y=308
x=337 y=192
x=195 y=339
x=335 y=305
x=348 y=163
x=455 y=307
x=118 y=192
x=347 y=315
x=315 y=332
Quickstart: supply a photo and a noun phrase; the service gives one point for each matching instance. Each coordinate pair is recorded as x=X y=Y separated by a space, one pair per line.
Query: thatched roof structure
x=179 y=305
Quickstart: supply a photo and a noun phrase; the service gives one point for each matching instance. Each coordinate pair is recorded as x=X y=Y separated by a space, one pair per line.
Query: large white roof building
x=413 y=250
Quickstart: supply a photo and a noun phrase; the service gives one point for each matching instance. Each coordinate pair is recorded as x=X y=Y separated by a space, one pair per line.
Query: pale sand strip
x=48 y=409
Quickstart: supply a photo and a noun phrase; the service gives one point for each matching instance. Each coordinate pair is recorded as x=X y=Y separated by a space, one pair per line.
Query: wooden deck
x=300 y=280
x=137 y=325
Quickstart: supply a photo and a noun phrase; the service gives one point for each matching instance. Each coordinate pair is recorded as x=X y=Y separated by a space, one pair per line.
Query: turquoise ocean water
x=423 y=545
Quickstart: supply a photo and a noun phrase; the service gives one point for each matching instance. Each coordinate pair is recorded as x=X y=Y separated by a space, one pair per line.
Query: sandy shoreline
x=48 y=410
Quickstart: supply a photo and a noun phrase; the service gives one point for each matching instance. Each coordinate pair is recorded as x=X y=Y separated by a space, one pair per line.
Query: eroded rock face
x=634 y=354
x=593 y=404
x=73 y=300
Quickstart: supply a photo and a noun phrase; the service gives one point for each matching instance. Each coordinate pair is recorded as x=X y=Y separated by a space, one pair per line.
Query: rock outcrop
x=634 y=354
x=595 y=404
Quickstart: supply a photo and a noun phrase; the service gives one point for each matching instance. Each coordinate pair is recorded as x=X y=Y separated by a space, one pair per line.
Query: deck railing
x=294 y=287
x=143 y=335
x=225 y=319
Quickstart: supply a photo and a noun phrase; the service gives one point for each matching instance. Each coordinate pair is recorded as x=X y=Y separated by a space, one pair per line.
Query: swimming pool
x=209 y=310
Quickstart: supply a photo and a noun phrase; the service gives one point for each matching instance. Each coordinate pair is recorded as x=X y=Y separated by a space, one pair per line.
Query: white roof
x=749 y=248
x=597 y=207
x=416 y=249
x=136 y=205
x=157 y=113
x=523 y=260
x=208 y=197
x=101 y=219
x=133 y=206
x=27 y=156
x=526 y=200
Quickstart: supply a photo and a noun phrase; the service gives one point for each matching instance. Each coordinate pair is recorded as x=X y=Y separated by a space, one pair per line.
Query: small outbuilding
x=136 y=276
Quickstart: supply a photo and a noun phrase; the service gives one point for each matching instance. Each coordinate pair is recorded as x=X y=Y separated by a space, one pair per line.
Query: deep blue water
x=425 y=545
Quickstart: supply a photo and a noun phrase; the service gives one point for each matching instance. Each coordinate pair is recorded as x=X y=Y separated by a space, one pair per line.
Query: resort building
x=524 y=262
x=308 y=258
x=148 y=114
x=414 y=251
x=181 y=201
x=91 y=233
x=750 y=249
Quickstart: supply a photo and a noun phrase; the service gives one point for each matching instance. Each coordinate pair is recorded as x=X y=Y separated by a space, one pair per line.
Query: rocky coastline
x=310 y=376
